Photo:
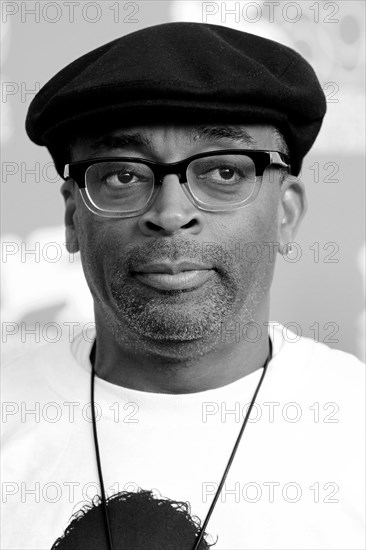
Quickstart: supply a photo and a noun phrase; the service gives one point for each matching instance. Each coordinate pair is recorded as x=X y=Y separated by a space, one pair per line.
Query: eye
x=224 y=173
x=123 y=177
x=221 y=174
x=120 y=175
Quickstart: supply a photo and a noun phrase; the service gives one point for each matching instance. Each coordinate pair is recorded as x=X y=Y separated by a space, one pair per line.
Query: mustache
x=172 y=250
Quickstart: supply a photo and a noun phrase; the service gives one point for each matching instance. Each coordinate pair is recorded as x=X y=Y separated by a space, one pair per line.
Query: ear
x=292 y=208
x=68 y=192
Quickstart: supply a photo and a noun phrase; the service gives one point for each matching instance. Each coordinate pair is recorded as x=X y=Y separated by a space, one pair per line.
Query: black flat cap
x=181 y=73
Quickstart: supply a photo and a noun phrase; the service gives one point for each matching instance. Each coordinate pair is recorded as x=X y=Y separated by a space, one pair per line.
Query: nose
x=171 y=211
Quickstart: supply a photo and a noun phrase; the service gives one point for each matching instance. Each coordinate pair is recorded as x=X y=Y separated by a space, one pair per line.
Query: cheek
x=264 y=216
x=101 y=243
x=265 y=222
x=256 y=223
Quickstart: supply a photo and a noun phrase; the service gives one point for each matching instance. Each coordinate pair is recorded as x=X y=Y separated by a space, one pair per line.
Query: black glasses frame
x=262 y=159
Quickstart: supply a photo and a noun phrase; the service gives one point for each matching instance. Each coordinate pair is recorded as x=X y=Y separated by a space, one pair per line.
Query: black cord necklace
x=224 y=476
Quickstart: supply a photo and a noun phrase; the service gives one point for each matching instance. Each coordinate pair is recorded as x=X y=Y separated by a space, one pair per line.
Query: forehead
x=167 y=139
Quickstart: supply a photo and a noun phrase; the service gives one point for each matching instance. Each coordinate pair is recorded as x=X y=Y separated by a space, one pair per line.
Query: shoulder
x=315 y=365
x=43 y=369
x=39 y=384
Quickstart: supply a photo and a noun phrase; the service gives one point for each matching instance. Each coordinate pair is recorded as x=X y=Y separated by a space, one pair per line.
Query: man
x=180 y=146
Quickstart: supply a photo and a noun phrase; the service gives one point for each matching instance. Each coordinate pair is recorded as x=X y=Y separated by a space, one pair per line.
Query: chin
x=177 y=339
x=174 y=351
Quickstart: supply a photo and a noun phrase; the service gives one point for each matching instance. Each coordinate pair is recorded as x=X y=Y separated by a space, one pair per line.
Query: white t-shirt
x=296 y=481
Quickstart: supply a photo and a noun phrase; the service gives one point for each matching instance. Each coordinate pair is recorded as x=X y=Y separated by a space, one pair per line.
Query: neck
x=179 y=369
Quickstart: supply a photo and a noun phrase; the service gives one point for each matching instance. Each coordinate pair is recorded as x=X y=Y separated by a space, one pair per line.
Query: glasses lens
x=222 y=179
x=119 y=186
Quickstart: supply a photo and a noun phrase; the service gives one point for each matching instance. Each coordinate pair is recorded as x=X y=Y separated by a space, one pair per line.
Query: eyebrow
x=208 y=134
x=121 y=141
x=213 y=133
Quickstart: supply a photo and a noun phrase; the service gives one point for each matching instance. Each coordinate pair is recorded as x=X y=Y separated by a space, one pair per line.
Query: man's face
x=165 y=312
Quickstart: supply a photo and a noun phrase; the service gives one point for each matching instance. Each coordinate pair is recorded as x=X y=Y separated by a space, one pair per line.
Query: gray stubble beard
x=165 y=322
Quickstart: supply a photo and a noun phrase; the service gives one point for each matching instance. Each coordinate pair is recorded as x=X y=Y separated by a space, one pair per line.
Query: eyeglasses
x=123 y=187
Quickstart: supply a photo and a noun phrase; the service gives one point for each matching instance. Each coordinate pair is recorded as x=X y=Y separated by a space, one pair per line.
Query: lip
x=171 y=268
x=179 y=276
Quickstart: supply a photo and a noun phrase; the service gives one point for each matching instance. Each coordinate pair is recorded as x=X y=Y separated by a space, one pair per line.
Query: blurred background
x=318 y=291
